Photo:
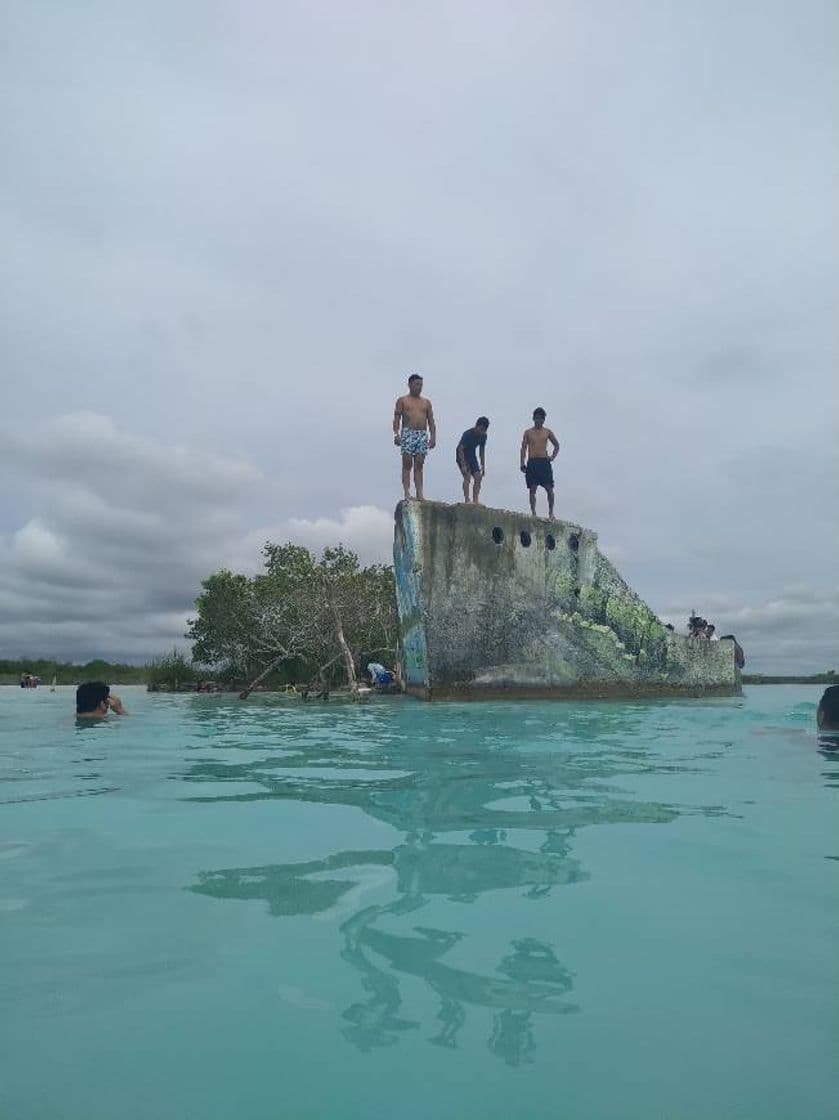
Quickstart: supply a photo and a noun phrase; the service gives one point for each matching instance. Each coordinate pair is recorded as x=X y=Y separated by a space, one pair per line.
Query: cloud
x=125 y=529
x=88 y=451
x=38 y=547
x=366 y=530
x=794 y=632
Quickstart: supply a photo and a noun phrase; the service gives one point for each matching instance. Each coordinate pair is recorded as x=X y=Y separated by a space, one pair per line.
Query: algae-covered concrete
x=493 y=602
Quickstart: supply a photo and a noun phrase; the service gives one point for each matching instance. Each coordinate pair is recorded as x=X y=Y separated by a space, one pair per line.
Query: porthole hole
x=576 y=592
x=498 y=534
x=574 y=542
x=550 y=542
x=524 y=537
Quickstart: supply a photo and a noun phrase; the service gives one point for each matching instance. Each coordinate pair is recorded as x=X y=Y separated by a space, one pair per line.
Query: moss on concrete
x=477 y=614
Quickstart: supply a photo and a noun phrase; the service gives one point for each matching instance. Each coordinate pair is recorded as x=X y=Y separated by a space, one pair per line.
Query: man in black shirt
x=472 y=443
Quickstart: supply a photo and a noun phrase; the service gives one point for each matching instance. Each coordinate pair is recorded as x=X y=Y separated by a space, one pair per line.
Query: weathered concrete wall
x=492 y=601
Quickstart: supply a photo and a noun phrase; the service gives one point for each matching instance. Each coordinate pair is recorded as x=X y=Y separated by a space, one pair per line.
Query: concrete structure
x=499 y=603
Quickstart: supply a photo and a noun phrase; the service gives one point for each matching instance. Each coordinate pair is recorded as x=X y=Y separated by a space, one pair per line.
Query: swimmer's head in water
x=827 y=715
x=92 y=696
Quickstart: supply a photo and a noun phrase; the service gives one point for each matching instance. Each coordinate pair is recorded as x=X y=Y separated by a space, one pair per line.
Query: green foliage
x=636 y=626
x=66 y=672
x=171 y=671
x=226 y=619
x=289 y=614
x=593 y=599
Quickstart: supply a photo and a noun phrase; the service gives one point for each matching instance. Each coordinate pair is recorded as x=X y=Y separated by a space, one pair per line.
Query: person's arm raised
x=115 y=704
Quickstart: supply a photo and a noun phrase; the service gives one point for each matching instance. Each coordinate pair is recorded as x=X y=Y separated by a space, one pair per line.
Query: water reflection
x=829 y=750
x=476 y=812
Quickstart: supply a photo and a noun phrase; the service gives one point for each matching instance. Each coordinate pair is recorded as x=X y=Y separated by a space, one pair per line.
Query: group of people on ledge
x=415 y=434
x=699 y=627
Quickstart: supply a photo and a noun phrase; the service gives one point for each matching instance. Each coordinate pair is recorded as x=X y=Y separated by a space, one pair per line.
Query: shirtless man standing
x=538 y=471
x=414 y=432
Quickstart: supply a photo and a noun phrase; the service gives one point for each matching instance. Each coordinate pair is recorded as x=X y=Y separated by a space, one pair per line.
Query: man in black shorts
x=538 y=471
x=472 y=443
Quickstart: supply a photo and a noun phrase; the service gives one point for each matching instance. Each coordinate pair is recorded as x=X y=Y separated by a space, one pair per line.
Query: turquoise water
x=213 y=909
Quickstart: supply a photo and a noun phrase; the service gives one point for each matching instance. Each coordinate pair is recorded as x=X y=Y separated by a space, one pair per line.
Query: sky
x=231 y=231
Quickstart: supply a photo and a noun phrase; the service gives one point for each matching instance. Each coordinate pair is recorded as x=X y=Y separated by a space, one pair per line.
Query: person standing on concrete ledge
x=538 y=470
x=473 y=443
x=414 y=433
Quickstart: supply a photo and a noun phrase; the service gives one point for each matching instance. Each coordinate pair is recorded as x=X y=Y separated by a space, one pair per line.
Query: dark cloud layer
x=124 y=528
x=230 y=231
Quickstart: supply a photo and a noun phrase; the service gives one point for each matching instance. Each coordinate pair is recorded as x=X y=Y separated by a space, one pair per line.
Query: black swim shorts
x=472 y=464
x=539 y=472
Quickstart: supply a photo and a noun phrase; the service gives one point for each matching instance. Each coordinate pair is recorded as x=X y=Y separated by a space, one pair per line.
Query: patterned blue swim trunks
x=413 y=442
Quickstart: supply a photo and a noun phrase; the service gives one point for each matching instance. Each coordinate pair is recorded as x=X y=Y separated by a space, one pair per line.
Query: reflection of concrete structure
x=529 y=979
x=508 y=824
x=494 y=602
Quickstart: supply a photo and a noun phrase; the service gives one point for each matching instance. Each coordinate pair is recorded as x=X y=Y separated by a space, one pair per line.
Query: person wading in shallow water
x=414 y=433
x=538 y=470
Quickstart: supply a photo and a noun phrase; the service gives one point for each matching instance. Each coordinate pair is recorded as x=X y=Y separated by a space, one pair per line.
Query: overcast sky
x=230 y=231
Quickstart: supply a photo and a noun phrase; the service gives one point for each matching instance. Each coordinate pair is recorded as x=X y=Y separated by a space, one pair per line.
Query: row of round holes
x=525 y=538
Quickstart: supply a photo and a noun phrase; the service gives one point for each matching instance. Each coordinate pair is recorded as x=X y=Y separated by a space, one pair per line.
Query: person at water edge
x=473 y=444
x=538 y=470
x=379 y=675
x=414 y=433
x=827 y=714
x=94 y=700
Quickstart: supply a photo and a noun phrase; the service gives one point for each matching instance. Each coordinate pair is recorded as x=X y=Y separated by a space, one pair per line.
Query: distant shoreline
x=817 y=678
x=748 y=678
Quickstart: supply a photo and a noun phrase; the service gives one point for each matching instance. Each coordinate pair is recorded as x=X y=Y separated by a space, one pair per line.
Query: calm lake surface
x=274 y=910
